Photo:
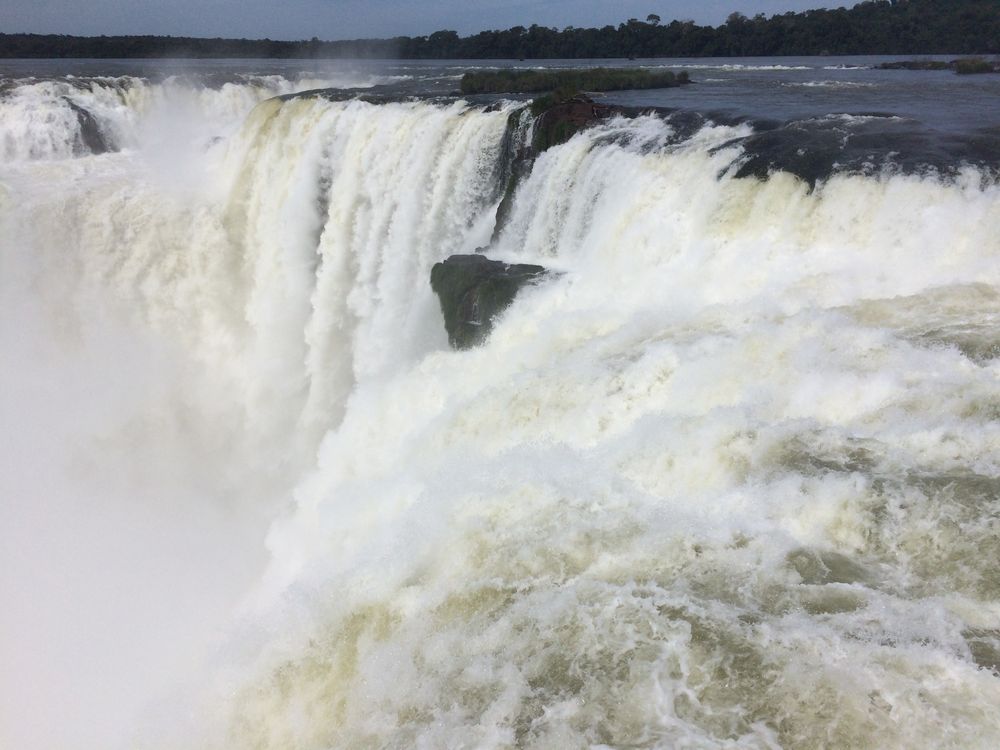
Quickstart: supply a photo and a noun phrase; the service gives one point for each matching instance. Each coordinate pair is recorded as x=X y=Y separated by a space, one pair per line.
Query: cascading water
x=45 y=118
x=728 y=478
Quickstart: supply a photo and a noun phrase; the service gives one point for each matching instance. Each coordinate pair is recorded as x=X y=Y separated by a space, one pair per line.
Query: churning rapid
x=728 y=477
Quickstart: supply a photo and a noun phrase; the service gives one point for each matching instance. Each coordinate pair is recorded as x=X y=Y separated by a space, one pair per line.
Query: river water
x=729 y=478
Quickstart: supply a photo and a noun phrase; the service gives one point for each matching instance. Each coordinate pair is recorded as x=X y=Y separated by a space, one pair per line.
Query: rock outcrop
x=557 y=119
x=560 y=120
x=474 y=290
x=91 y=138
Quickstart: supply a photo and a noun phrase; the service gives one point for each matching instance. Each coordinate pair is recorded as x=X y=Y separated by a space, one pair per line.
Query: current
x=729 y=477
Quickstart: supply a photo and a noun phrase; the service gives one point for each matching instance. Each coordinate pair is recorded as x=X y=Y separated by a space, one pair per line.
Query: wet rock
x=561 y=119
x=558 y=117
x=91 y=138
x=821 y=568
x=984 y=645
x=519 y=171
x=515 y=163
x=474 y=290
x=869 y=143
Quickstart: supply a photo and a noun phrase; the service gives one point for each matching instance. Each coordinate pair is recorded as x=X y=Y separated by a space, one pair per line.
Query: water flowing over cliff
x=727 y=477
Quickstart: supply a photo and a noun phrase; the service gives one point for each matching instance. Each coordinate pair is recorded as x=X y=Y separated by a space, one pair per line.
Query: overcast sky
x=348 y=19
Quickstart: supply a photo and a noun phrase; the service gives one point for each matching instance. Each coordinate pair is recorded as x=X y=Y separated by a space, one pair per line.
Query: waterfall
x=728 y=477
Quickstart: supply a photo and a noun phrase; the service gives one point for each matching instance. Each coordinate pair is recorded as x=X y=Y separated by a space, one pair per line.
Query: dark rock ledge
x=92 y=141
x=474 y=290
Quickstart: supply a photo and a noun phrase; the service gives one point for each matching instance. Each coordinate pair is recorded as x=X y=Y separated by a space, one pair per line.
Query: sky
x=349 y=19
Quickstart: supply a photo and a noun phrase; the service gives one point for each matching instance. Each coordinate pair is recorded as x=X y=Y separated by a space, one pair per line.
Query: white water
x=37 y=121
x=730 y=480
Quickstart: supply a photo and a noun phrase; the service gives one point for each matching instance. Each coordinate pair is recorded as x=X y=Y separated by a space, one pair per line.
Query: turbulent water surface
x=728 y=478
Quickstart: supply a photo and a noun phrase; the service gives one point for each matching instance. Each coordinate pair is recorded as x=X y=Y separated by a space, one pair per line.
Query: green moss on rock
x=561 y=119
x=473 y=290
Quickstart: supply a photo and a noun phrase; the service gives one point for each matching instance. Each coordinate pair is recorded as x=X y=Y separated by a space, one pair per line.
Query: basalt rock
x=91 y=137
x=520 y=168
x=561 y=120
x=558 y=118
x=815 y=149
x=474 y=290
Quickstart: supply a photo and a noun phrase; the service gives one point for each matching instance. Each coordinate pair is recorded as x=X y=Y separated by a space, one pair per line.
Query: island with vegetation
x=966 y=66
x=975 y=65
x=873 y=27
x=591 y=79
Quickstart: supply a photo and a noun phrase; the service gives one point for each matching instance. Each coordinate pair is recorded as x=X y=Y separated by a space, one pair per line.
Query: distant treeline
x=890 y=27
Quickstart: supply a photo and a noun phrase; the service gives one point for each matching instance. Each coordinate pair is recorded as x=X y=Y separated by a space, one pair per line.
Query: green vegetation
x=592 y=79
x=964 y=66
x=973 y=65
x=915 y=65
x=562 y=94
x=884 y=27
x=553 y=131
x=474 y=290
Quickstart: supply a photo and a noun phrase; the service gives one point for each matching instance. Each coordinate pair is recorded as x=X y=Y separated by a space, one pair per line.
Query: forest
x=874 y=27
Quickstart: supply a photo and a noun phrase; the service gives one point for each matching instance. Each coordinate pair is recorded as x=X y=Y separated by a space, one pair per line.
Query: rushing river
x=728 y=478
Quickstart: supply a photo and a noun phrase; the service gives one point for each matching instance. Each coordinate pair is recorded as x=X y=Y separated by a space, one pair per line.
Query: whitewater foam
x=737 y=66
x=39 y=118
x=834 y=84
x=729 y=479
